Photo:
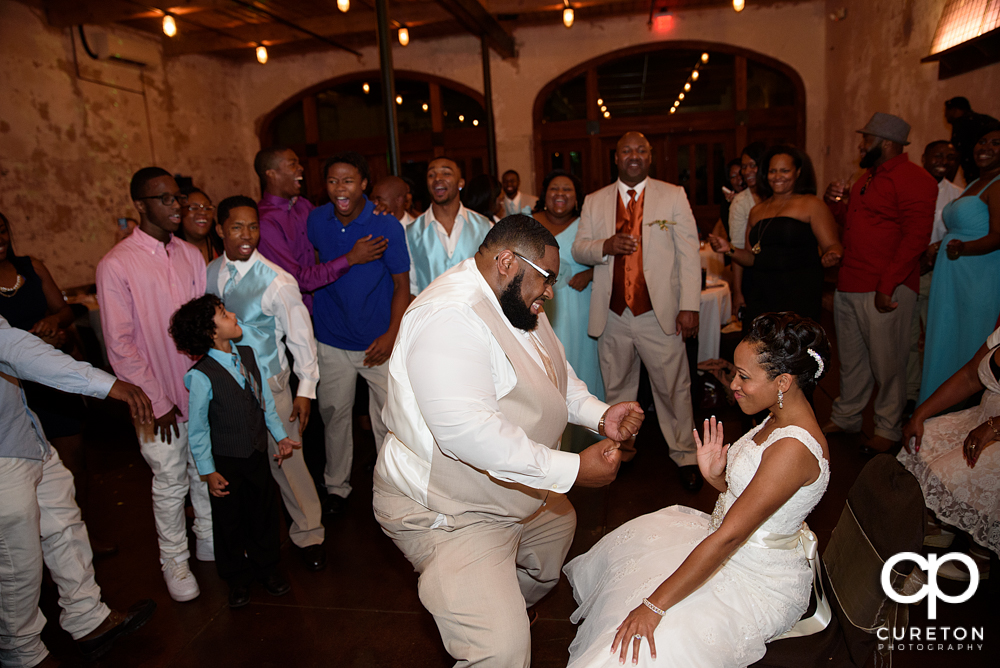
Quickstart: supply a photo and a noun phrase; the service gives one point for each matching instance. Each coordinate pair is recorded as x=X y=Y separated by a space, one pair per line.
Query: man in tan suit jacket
x=640 y=236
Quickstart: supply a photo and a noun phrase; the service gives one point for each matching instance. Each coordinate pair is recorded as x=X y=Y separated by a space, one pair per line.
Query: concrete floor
x=363 y=610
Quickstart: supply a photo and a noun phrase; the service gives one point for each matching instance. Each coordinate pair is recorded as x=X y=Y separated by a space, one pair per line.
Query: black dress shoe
x=239 y=595
x=691 y=479
x=334 y=505
x=314 y=557
x=102 y=550
x=275 y=585
x=132 y=620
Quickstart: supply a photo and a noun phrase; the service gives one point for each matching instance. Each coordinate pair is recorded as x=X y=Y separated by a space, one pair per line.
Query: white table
x=716 y=307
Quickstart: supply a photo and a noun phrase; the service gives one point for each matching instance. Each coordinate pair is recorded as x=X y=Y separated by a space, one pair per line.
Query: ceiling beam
x=190 y=41
x=474 y=18
x=65 y=13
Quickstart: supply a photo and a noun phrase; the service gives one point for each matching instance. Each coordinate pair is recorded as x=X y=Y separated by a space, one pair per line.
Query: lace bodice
x=744 y=460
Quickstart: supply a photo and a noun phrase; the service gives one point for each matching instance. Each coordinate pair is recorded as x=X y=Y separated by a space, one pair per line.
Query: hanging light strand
x=693 y=77
x=261 y=54
x=169 y=25
x=568 y=14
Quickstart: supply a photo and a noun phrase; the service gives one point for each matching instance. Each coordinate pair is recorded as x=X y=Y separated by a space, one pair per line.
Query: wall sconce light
x=261 y=54
x=738 y=5
x=343 y=5
x=404 y=36
x=169 y=25
x=568 y=14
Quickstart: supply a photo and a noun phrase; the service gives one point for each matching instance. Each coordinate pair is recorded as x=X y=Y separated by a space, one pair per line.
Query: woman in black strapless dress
x=791 y=236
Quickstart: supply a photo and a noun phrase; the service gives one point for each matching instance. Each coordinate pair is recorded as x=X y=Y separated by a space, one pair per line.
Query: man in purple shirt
x=283 y=217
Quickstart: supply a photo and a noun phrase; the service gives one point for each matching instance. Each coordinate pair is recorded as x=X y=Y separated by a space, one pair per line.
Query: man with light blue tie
x=268 y=304
x=515 y=201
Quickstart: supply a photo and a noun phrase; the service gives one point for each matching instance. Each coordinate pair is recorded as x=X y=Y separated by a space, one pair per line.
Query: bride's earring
x=781 y=398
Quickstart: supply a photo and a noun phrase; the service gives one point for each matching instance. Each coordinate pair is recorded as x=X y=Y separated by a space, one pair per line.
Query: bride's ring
x=638 y=636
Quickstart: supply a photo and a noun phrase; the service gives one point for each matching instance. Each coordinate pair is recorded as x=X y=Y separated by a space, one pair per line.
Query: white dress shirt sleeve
x=283 y=301
x=450 y=365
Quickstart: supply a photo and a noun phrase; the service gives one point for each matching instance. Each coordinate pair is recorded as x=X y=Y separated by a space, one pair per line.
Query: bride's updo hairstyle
x=788 y=343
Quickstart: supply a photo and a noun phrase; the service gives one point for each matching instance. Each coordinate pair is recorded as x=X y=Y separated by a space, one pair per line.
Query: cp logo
x=930 y=590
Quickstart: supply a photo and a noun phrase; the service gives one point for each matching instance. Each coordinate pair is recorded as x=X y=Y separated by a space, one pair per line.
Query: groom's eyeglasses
x=550 y=278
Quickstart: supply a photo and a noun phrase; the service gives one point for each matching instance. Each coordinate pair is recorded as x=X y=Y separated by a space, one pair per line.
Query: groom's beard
x=513 y=306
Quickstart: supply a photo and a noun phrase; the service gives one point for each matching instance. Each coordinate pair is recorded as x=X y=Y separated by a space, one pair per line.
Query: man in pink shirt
x=141 y=282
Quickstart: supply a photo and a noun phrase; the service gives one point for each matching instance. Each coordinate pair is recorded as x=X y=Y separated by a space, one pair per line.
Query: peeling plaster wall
x=793 y=33
x=873 y=64
x=68 y=146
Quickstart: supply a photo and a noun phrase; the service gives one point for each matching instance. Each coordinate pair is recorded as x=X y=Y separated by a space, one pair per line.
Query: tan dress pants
x=626 y=340
x=873 y=348
x=477 y=579
x=298 y=490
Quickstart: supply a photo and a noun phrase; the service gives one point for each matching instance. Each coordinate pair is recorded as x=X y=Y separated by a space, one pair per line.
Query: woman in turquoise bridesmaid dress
x=965 y=291
x=558 y=209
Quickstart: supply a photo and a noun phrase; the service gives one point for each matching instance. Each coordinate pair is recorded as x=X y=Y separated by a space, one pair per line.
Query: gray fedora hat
x=887 y=126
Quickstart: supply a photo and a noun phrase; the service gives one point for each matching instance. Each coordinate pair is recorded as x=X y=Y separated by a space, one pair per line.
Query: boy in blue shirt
x=230 y=414
x=357 y=317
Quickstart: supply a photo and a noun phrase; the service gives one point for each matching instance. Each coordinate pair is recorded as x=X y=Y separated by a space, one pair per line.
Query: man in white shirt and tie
x=515 y=201
x=470 y=482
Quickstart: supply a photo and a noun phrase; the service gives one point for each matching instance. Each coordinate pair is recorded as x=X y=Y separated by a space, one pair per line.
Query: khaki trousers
x=338 y=373
x=918 y=325
x=477 y=579
x=873 y=348
x=626 y=340
x=298 y=490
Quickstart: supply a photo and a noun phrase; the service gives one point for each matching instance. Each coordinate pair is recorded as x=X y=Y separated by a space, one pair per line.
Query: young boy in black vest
x=230 y=413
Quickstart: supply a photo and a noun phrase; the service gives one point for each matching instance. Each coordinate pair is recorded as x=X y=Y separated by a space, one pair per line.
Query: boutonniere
x=664 y=224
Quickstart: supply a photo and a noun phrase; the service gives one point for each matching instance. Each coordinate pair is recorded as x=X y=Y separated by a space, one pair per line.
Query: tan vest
x=534 y=404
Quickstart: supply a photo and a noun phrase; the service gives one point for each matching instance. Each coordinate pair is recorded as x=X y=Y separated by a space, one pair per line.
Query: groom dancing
x=470 y=482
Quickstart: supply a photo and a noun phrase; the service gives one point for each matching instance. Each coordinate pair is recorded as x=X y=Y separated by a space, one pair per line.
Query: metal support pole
x=388 y=86
x=491 y=135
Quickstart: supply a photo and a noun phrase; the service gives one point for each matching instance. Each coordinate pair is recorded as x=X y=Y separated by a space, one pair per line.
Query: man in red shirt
x=887 y=217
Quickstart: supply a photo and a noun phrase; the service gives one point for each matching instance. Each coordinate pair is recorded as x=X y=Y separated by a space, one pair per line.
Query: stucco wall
x=873 y=64
x=794 y=34
x=69 y=146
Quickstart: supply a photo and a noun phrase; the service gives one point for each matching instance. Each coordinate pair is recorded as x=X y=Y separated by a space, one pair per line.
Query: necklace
x=755 y=249
x=10 y=292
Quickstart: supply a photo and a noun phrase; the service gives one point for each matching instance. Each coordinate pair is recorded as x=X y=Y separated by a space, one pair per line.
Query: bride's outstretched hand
x=638 y=626
x=711 y=452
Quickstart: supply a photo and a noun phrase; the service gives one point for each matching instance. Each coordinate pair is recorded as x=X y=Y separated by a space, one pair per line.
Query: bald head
x=392 y=191
x=633 y=158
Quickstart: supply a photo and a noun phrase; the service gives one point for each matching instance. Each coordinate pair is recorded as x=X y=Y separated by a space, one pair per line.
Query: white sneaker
x=180 y=580
x=204 y=550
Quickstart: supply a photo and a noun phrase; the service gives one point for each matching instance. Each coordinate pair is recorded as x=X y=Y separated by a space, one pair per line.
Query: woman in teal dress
x=558 y=209
x=965 y=291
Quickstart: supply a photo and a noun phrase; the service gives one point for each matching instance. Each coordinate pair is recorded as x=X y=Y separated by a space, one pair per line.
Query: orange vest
x=628 y=287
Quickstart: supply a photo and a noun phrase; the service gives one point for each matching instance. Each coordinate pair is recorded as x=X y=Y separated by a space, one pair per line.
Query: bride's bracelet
x=652 y=607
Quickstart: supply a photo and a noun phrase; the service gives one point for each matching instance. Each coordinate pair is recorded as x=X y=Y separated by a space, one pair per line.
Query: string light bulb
x=399 y=99
x=687 y=87
x=461 y=118
x=261 y=54
x=604 y=108
x=475 y=121
x=694 y=75
x=673 y=110
x=600 y=101
x=681 y=96
x=343 y=5
x=704 y=57
x=568 y=15
x=169 y=25
x=425 y=106
x=404 y=36
x=366 y=88
x=738 y=5
x=607 y=114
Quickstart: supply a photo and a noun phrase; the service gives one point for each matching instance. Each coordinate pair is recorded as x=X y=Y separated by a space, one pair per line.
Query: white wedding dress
x=757 y=594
